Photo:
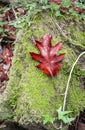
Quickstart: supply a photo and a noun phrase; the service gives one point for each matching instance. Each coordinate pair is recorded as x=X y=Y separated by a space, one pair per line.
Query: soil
x=8 y=125
x=78 y=124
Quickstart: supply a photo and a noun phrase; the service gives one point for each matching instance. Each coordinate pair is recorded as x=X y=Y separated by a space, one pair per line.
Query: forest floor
x=7 y=37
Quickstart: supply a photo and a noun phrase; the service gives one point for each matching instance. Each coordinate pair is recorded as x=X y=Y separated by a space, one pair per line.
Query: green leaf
x=82 y=0
x=83 y=15
x=2 y=23
x=1 y=30
x=66 y=3
x=55 y=6
x=63 y=116
x=46 y=7
x=57 y=13
x=80 y=5
x=47 y=119
x=17 y=25
x=1 y=15
x=43 y=1
x=73 y=12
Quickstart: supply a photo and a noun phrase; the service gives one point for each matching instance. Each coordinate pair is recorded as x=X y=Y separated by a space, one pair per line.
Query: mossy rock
x=30 y=94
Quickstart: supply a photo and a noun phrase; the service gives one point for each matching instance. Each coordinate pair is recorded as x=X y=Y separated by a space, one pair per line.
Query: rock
x=8 y=125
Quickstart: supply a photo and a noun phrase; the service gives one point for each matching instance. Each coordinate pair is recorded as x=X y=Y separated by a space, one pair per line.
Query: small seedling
x=48 y=119
x=64 y=116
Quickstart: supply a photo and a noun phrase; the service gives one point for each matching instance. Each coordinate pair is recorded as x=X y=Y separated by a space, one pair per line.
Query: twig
x=9 y=18
x=59 y=28
x=14 y=13
x=2 y=126
x=60 y=128
x=62 y=32
x=67 y=86
x=69 y=78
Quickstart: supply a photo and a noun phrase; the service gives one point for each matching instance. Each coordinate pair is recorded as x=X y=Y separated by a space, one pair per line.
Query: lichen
x=30 y=94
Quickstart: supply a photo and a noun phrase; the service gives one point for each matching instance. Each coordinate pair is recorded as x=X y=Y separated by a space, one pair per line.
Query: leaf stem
x=67 y=86
x=14 y=13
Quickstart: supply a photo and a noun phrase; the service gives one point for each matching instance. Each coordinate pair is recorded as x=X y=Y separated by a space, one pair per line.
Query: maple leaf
x=50 y=62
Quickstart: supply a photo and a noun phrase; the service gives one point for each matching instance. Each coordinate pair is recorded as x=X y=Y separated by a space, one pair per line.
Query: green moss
x=30 y=94
x=77 y=35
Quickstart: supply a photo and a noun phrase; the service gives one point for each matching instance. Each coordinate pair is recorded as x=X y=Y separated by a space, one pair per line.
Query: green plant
x=83 y=16
x=80 y=5
x=47 y=119
x=20 y=22
x=66 y=3
x=64 y=116
x=43 y=1
x=73 y=12
x=82 y=1
x=35 y=7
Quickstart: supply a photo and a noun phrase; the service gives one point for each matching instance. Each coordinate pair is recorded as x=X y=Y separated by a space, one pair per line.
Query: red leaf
x=21 y=11
x=7 y=56
x=75 y=0
x=3 y=76
x=77 y=9
x=50 y=62
x=64 y=9
x=56 y=1
x=9 y=14
x=9 y=28
x=1 y=68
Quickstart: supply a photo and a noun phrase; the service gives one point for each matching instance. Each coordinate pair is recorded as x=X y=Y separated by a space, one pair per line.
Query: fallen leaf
x=56 y=1
x=3 y=76
x=81 y=126
x=21 y=11
x=50 y=62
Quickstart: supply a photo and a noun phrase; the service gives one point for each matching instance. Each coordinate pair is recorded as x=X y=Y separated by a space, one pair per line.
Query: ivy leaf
x=63 y=115
x=43 y=1
x=58 y=13
x=2 y=23
x=66 y=3
x=50 y=62
x=47 y=119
